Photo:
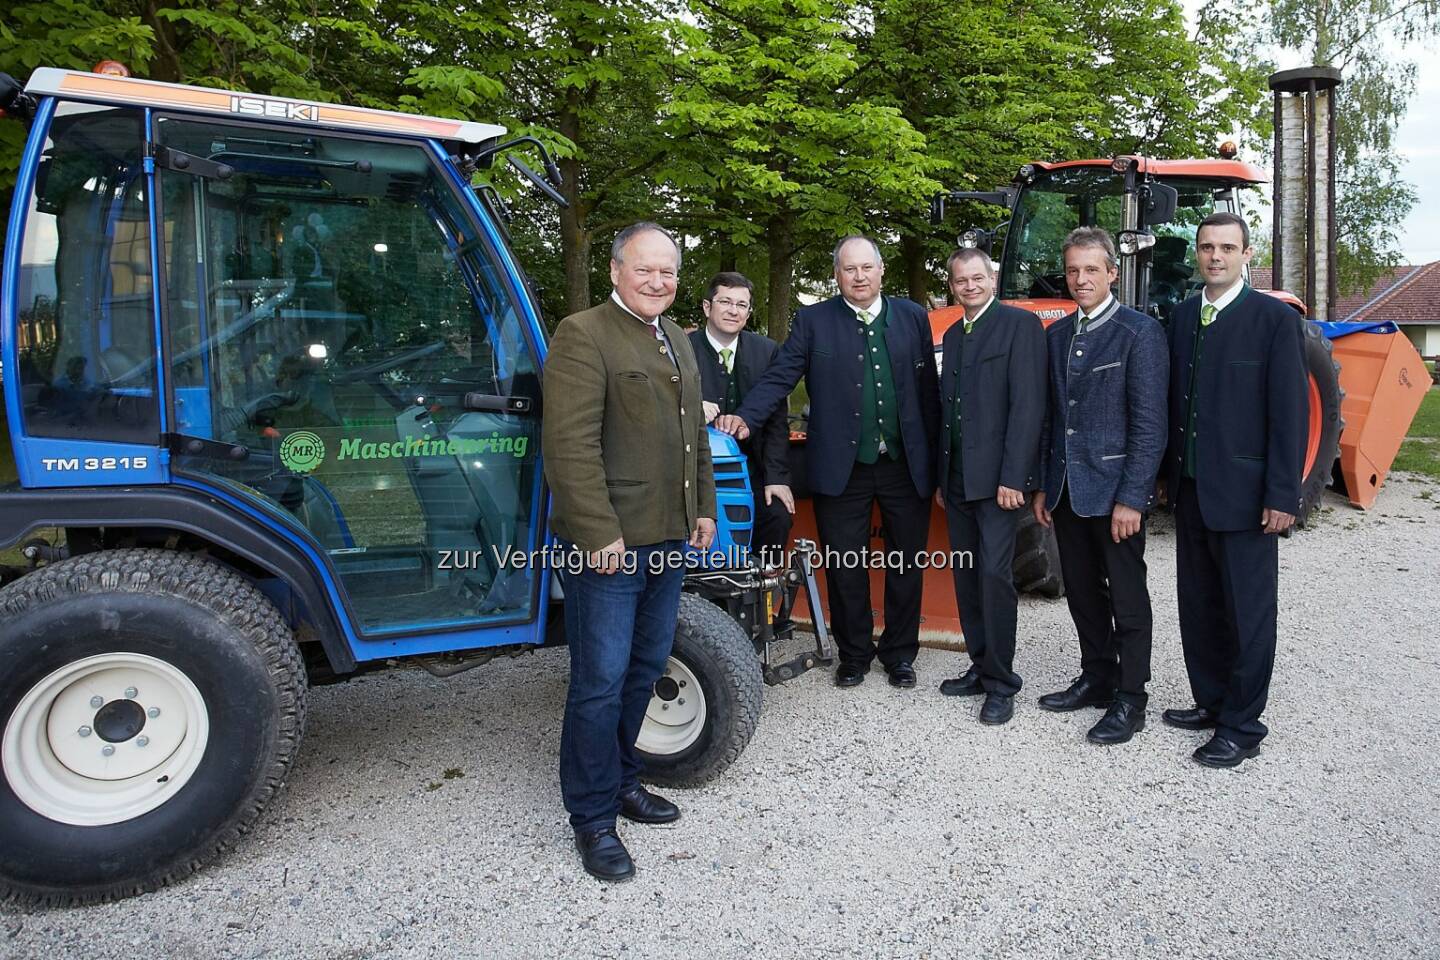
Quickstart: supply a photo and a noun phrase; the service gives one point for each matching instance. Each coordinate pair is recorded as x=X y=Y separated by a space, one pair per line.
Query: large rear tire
x=1324 y=397
x=707 y=704
x=151 y=703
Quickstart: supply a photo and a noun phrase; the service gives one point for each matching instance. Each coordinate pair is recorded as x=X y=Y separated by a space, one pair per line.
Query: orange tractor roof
x=1236 y=170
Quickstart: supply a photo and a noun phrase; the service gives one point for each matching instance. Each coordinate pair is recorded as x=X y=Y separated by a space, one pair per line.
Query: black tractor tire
x=163 y=628
x=1036 y=566
x=707 y=704
x=1324 y=395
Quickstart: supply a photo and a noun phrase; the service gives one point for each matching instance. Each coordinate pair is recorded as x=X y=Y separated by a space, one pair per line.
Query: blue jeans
x=620 y=628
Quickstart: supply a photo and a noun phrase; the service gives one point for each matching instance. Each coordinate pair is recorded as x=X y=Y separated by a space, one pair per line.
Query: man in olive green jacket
x=628 y=461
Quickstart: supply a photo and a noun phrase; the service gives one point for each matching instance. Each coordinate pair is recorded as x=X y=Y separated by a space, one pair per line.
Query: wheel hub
x=119 y=721
x=676 y=715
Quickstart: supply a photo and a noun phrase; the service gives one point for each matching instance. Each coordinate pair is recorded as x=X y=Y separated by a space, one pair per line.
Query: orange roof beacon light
x=111 y=68
x=1229 y=150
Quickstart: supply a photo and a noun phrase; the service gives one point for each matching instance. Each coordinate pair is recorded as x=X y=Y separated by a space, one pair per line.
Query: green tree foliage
x=761 y=129
x=1362 y=38
x=772 y=146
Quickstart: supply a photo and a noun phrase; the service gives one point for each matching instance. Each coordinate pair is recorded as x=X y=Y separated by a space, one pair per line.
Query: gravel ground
x=423 y=818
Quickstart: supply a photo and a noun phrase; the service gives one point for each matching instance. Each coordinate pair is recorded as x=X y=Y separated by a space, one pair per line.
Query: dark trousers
x=619 y=628
x=1109 y=600
x=772 y=520
x=1228 y=583
x=843 y=522
x=985 y=587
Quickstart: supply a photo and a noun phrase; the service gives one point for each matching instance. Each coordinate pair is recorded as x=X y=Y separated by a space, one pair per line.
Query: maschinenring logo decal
x=302 y=451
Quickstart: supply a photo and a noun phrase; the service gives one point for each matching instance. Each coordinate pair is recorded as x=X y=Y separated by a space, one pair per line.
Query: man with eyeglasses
x=731 y=359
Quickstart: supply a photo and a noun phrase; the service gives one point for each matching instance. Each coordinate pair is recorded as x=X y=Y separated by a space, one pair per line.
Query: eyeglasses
x=724 y=303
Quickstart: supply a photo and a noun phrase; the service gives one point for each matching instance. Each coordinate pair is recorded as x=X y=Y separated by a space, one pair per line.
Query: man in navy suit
x=731 y=359
x=1100 y=449
x=1238 y=425
x=993 y=400
x=869 y=365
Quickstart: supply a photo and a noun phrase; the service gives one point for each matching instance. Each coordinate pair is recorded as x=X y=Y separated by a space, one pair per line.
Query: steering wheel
x=270 y=401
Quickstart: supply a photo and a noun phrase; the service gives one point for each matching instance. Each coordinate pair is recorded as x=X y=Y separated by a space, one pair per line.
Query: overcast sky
x=1419 y=146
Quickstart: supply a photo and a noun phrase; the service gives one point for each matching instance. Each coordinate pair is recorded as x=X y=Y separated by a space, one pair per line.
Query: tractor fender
x=195 y=514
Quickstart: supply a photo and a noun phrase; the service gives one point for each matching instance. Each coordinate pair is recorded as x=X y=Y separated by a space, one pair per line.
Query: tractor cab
x=1152 y=207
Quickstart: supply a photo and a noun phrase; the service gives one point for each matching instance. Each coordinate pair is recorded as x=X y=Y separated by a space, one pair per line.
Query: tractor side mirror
x=1158 y=202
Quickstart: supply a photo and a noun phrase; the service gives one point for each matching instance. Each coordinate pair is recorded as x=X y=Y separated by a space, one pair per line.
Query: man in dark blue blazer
x=1100 y=449
x=869 y=365
x=992 y=401
x=1238 y=429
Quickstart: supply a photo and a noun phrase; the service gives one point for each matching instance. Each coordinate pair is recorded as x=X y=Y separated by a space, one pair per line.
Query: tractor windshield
x=1061 y=200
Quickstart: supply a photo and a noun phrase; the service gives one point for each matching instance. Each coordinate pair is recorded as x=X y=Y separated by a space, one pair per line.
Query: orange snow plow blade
x=1384 y=381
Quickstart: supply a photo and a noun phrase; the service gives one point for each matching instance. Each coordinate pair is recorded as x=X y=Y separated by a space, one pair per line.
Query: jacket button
x=1072 y=403
x=682 y=411
x=1079 y=353
x=675 y=379
x=687 y=484
x=852 y=443
x=1069 y=431
x=687 y=448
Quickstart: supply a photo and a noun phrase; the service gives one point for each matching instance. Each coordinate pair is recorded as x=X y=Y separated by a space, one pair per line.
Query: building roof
x=1404 y=294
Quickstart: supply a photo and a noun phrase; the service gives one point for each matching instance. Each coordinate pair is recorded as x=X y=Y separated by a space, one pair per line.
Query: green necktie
x=1080 y=323
x=1208 y=313
x=864 y=316
x=725 y=354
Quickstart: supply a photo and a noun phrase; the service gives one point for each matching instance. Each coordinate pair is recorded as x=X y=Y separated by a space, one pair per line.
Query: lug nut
x=107 y=750
x=131 y=693
x=142 y=741
x=682 y=683
x=97 y=702
x=682 y=701
x=153 y=712
x=664 y=706
x=84 y=731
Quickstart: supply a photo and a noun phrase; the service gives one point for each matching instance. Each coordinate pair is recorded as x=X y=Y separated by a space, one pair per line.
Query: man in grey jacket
x=1101 y=445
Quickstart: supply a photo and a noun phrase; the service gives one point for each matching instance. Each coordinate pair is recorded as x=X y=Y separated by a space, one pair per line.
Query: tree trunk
x=166 y=65
x=919 y=283
x=574 y=237
x=780 y=235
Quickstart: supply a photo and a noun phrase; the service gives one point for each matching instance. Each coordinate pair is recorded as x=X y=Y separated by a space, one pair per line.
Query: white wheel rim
x=676 y=715
x=105 y=739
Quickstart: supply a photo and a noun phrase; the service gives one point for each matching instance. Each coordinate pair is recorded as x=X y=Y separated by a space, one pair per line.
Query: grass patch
x=1420 y=452
x=1427 y=418
x=1418 y=456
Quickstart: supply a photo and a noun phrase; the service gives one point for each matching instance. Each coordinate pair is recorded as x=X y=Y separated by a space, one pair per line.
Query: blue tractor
x=272 y=368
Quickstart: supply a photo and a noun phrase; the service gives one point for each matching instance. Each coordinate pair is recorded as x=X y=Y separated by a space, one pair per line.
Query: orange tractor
x=1360 y=406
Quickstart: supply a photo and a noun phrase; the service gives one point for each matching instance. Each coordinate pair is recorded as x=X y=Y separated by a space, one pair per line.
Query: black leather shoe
x=965 y=685
x=1220 y=752
x=1082 y=692
x=902 y=675
x=997 y=709
x=1197 y=719
x=1121 y=722
x=603 y=855
x=850 y=675
x=642 y=806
